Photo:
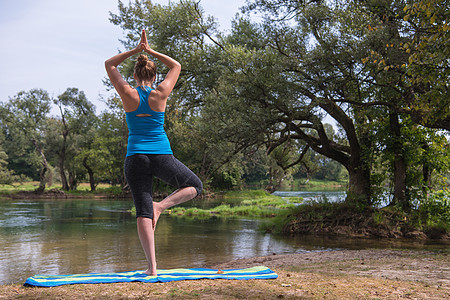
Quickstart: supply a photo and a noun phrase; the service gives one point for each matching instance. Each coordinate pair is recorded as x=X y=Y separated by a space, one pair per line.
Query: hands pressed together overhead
x=143 y=44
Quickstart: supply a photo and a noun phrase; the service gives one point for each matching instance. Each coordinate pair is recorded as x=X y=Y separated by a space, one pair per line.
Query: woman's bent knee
x=198 y=188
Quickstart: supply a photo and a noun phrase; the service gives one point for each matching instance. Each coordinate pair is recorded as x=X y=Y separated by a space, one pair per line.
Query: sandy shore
x=421 y=266
x=346 y=274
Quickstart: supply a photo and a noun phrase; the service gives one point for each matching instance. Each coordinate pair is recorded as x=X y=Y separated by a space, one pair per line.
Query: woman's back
x=146 y=128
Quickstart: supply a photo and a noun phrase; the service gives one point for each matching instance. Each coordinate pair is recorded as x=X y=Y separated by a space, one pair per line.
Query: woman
x=148 y=151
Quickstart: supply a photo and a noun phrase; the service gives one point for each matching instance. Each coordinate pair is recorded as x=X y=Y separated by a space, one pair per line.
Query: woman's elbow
x=109 y=64
x=176 y=65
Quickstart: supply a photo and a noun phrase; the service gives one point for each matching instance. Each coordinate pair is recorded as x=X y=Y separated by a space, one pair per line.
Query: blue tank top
x=146 y=135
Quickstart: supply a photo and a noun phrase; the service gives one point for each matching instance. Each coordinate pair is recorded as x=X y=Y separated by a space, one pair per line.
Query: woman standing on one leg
x=148 y=151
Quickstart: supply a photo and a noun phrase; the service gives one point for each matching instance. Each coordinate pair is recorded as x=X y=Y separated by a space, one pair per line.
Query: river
x=82 y=236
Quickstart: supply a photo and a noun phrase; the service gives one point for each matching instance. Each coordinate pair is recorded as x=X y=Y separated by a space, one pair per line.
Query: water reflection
x=80 y=236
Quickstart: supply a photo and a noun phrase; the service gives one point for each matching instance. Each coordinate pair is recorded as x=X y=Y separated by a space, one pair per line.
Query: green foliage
x=427 y=66
x=434 y=211
x=23 y=123
x=70 y=134
x=279 y=222
x=106 y=151
x=6 y=176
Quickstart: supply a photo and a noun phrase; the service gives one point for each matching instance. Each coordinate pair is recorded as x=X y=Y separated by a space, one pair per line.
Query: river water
x=82 y=236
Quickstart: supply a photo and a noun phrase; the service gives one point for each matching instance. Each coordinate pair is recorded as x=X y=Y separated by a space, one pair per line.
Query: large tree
x=347 y=59
x=183 y=31
x=77 y=117
x=24 y=119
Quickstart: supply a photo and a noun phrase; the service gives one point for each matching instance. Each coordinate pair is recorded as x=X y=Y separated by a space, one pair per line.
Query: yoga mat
x=259 y=272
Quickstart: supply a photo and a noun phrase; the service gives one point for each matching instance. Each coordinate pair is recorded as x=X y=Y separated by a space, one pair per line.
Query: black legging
x=139 y=172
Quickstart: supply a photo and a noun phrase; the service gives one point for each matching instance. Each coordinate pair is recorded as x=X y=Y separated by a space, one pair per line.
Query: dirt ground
x=345 y=274
x=418 y=266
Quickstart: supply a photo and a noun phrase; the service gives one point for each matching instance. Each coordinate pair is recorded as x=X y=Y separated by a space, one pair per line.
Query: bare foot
x=150 y=273
x=156 y=213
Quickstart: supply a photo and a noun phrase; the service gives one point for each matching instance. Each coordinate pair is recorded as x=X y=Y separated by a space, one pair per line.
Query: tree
x=77 y=116
x=6 y=176
x=23 y=121
x=182 y=31
x=283 y=89
x=322 y=57
x=107 y=152
x=404 y=85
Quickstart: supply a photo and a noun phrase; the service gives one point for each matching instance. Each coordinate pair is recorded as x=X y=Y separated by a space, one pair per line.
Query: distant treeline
x=78 y=146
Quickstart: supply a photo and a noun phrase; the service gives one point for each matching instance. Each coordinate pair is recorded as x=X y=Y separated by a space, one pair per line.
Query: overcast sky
x=57 y=44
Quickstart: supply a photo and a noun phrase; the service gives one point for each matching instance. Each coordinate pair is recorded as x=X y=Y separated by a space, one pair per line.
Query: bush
x=434 y=212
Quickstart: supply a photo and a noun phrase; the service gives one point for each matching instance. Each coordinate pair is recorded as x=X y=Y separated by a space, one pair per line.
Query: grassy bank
x=83 y=189
x=351 y=220
x=430 y=220
x=250 y=203
x=318 y=183
x=365 y=274
x=304 y=184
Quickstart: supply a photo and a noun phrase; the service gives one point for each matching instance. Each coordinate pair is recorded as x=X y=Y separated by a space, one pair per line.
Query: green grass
x=257 y=204
x=224 y=211
x=252 y=194
x=30 y=186
x=82 y=188
x=318 y=184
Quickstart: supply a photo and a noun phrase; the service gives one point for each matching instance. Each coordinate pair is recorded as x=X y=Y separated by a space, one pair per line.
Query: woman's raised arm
x=122 y=87
x=164 y=88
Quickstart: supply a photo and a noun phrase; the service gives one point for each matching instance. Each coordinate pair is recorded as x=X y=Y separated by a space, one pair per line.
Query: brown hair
x=144 y=69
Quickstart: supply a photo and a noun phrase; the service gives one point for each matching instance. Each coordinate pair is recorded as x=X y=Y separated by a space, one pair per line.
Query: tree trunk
x=62 y=158
x=359 y=190
x=426 y=170
x=44 y=169
x=62 y=174
x=426 y=178
x=72 y=182
x=399 y=163
x=41 y=187
x=90 y=173
x=270 y=187
x=400 y=181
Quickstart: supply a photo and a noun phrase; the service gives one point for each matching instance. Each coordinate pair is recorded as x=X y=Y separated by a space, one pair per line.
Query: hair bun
x=142 y=60
x=145 y=68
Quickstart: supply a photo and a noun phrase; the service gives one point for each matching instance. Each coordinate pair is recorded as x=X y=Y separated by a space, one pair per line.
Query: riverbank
x=346 y=219
x=345 y=274
x=284 y=215
x=27 y=191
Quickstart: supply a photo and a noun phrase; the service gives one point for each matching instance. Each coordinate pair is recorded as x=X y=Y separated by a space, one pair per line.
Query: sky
x=57 y=44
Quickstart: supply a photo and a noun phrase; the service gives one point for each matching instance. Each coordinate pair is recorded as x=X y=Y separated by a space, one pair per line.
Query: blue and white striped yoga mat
x=259 y=272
